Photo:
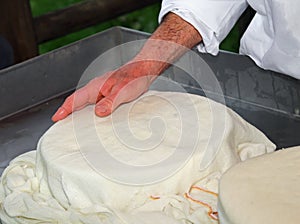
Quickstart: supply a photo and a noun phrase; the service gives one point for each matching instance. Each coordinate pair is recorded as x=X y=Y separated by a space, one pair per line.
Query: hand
x=171 y=40
x=109 y=90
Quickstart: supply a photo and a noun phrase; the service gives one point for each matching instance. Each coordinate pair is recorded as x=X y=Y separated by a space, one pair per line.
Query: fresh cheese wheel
x=262 y=190
x=116 y=169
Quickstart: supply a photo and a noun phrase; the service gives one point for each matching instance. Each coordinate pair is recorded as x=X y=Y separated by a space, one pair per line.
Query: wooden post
x=16 y=25
x=82 y=15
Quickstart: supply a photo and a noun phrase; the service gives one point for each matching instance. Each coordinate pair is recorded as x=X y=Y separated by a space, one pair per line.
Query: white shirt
x=272 y=39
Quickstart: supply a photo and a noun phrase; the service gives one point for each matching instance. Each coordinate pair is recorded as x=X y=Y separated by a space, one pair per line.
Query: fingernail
x=61 y=112
x=54 y=118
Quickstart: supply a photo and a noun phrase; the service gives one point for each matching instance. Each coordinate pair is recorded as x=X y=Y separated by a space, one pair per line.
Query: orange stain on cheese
x=212 y=214
x=154 y=197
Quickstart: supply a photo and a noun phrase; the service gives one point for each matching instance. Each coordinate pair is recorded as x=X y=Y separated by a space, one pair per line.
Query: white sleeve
x=212 y=18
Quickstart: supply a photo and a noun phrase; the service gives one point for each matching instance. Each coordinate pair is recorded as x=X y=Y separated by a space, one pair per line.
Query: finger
x=109 y=103
x=105 y=106
x=76 y=101
x=122 y=93
x=88 y=94
x=60 y=114
x=108 y=82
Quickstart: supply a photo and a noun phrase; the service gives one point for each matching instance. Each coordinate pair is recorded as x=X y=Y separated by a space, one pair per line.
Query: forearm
x=170 y=41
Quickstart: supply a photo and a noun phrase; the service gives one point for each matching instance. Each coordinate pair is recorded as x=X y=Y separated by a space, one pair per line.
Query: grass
x=144 y=20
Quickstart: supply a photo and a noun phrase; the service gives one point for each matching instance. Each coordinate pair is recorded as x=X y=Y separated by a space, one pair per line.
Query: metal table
x=30 y=92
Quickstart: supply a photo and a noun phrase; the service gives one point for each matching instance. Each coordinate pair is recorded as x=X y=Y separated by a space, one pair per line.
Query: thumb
x=121 y=93
x=106 y=105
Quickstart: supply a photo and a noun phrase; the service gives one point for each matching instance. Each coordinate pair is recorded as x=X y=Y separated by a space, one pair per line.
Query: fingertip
x=60 y=114
x=54 y=118
x=102 y=110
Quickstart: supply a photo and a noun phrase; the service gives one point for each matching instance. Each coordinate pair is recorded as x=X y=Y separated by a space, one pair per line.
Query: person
x=272 y=40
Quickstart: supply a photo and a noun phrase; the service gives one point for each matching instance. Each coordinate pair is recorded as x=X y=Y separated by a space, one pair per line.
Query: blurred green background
x=144 y=20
